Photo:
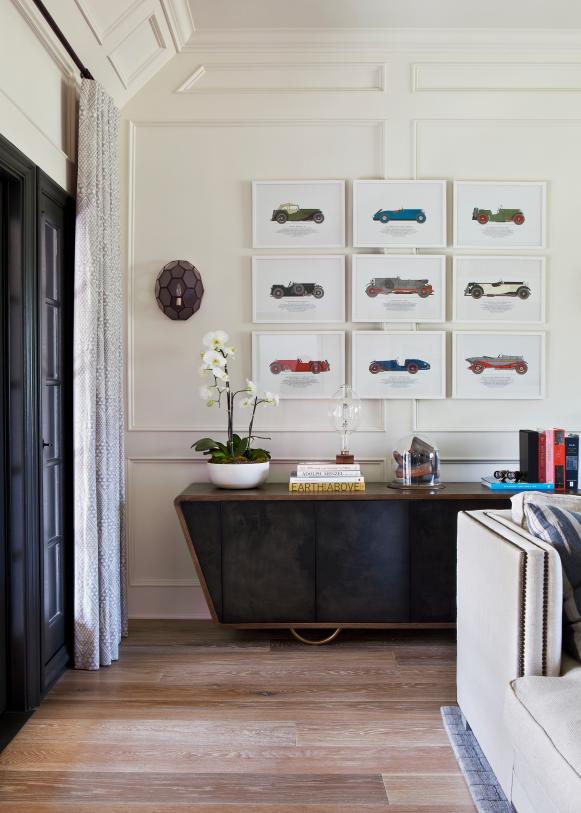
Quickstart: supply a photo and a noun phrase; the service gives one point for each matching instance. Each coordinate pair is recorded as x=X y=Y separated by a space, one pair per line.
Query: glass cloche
x=345 y=415
x=416 y=463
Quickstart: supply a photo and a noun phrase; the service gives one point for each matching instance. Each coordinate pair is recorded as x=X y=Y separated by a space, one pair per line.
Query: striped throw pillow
x=562 y=529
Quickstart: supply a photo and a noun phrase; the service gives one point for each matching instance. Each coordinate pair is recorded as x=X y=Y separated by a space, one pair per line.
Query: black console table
x=382 y=558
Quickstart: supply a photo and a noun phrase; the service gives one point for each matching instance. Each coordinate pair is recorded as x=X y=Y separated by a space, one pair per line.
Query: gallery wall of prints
x=406 y=114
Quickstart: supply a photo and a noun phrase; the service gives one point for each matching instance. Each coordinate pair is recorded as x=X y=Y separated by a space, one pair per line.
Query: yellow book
x=319 y=488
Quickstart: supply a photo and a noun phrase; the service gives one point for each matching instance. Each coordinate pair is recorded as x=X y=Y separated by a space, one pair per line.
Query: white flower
x=219 y=372
x=207 y=392
x=271 y=398
x=216 y=339
x=246 y=402
x=250 y=387
x=213 y=359
x=210 y=403
x=229 y=351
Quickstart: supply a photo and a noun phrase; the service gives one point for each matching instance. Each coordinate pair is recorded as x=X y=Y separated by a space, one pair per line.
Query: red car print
x=480 y=363
x=298 y=366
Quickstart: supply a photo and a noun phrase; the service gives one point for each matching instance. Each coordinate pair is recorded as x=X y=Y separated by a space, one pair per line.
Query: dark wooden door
x=268 y=562
x=362 y=561
x=54 y=406
x=3 y=461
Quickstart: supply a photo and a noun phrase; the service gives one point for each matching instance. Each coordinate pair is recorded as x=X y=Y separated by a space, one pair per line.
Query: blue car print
x=385 y=215
x=393 y=365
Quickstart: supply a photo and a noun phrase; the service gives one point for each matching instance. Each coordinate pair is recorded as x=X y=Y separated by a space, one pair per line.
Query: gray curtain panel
x=100 y=548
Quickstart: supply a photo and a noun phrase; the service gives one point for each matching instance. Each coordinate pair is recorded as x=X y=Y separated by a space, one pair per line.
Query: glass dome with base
x=345 y=415
x=416 y=464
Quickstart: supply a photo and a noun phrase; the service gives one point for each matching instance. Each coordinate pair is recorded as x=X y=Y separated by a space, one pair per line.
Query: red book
x=559 y=459
x=550 y=456
x=542 y=457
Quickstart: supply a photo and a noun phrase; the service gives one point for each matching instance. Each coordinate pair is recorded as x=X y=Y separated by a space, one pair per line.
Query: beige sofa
x=517 y=690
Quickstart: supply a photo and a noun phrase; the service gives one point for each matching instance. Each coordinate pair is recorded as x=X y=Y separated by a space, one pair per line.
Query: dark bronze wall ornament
x=179 y=290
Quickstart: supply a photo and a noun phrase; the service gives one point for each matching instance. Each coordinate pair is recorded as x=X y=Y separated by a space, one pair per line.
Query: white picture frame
x=388 y=288
x=312 y=199
x=502 y=380
x=307 y=354
x=478 y=203
x=298 y=289
x=398 y=350
x=399 y=214
x=503 y=290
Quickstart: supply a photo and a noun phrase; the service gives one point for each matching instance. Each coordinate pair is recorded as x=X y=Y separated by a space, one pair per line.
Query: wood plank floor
x=202 y=719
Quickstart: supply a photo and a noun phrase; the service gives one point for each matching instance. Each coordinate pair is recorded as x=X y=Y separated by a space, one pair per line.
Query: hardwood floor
x=202 y=719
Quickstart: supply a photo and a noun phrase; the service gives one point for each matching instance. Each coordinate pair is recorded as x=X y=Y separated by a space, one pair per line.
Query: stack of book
x=549 y=460
x=317 y=478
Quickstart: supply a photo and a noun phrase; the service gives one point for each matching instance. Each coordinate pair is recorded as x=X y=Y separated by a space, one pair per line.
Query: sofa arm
x=502 y=629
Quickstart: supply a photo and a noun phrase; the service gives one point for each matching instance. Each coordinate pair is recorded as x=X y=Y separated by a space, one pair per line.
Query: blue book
x=497 y=485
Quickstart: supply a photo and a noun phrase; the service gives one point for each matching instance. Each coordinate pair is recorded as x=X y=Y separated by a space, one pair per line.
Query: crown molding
x=396 y=39
x=49 y=42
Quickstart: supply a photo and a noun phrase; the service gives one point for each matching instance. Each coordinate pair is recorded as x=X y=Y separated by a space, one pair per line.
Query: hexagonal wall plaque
x=179 y=290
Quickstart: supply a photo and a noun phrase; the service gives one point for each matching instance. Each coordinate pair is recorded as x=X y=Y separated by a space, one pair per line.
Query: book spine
x=542 y=457
x=529 y=454
x=559 y=460
x=328 y=466
x=310 y=473
x=572 y=462
x=549 y=456
x=327 y=480
x=323 y=488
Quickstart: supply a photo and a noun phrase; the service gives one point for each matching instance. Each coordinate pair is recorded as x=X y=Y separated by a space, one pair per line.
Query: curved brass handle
x=322 y=641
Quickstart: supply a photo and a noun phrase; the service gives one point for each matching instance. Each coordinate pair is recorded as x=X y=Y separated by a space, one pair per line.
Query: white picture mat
x=328 y=271
x=269 y=346
x=498 y=384
x=530 y=196
x=500 y=310
x=329 y=196
x=370 y=196
x=372 y=345
x=398 y=307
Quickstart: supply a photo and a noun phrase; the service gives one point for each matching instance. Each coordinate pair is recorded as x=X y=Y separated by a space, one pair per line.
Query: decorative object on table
x=498 y=365
x=235 y=463
x=400 y=364
x=499 y=289
x=399 y=214
x=298 y=289
x=179 y=290
x=496 y=484
x=398 y=288
x=299 y=365
x=417 y=464
x=508 y=476
x=345 y=416
x=322 y=477
x=298 y=214
x=498 y=214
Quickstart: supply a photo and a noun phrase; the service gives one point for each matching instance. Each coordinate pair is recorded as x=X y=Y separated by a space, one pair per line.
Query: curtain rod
x=85 y=73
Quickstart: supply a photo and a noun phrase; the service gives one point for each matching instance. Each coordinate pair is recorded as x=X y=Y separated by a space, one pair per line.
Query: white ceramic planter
x=238 y=475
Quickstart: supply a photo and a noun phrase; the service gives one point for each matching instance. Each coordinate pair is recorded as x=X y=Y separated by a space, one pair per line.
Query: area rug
x=482 y=783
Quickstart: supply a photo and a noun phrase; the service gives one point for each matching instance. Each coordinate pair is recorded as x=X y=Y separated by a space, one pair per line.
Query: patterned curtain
x=99 y=481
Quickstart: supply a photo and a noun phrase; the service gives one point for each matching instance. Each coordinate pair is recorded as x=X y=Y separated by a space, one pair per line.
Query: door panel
x=268 y=562
x=3 y=539
x=51 y=254
x=362 y=561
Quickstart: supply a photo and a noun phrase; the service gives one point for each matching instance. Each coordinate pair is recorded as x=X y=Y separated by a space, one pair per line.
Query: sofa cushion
x=570 y=502
x=562 y=530
x=543 y=716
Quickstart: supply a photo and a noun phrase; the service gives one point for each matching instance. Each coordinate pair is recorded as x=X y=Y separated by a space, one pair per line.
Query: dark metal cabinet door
x=203 y=522
x=268 y=562
x=362 y=561
x=433 y=532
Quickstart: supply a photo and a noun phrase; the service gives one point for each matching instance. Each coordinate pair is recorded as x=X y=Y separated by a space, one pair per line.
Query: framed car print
x=299 y=364
x=498 y=365
x=398 y=288
x=499 y=215
x=399 y=214
x=298 y=214
x=399 y=364
x=499 y=289
x=298 y=289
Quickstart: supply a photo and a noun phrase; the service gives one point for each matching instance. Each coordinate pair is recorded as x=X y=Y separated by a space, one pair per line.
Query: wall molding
x=191 y=84
x=180 y=20
x=100 y=33
x=155 y=55
x=452 y=74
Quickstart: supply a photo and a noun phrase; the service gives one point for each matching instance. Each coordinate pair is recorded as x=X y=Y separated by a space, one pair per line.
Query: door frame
x=21 y=408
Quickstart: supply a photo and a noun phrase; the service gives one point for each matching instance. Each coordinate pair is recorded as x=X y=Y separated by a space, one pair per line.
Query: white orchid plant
x=237 y=449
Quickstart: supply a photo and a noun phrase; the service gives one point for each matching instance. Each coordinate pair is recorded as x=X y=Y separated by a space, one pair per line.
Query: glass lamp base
x=344 y=457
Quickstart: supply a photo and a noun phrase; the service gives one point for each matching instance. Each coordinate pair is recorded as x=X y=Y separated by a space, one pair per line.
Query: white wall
x=190 y=159
x=37 y=92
